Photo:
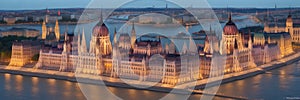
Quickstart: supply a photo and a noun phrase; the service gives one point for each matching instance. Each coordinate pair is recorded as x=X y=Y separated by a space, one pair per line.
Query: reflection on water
x=276 y=84
x=7 y=81
x=17 y=87
x=34 y=87
x=19 y=83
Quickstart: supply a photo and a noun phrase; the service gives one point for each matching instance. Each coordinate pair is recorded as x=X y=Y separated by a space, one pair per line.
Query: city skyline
x=62 y=50
x=42 y=4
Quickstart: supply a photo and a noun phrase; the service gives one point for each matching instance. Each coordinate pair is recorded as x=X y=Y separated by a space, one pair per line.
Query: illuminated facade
x=56 y=30
x=289 y=27
x=264 y=52
x=20 y=32
x=238 y=53
x=131 y=58
x=48 y=30
x=22 y=52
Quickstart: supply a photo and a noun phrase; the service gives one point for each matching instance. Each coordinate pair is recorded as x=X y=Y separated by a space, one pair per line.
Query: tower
x=207 y=46
x=289 y=25
x=133 y=36
x=115 y=37
x=56 y=30
x=65 y=58
x=83 y=43
x=44 y=30
x=78 y=43
x=100 y=39
x=230 y=34
x=47 y=15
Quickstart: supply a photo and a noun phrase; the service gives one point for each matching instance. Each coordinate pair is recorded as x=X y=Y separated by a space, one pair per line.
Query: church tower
x=44 y=30
x=56 y=30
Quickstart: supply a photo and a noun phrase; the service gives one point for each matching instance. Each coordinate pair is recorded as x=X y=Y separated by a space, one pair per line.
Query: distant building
x=155 y=19
x=238 y=53
x=49 y=18
x=22 y=18
x=10 y=20
x=23 y=51
x=289 y=27
x=130 y=57
x=47 y=31
x=20 y=32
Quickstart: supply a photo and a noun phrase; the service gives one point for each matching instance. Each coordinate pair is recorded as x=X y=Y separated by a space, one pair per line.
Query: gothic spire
x=192 y=45
x=184 y=48
x=57 y=30
x=78 y=42
x=83 y=42
x=133 y=36
x=229 y=16
x=44 y=30
x=115 y=36
x=250 y=40
x=101 y=18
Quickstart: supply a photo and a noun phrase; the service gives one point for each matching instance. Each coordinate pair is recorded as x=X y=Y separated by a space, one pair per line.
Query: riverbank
x=201 y=84
x=182 y=89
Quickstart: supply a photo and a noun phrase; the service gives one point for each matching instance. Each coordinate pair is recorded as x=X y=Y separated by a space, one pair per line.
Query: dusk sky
x=42 y=4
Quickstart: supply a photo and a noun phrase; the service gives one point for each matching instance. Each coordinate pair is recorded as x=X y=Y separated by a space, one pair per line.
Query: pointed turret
x=207 y=46
x=250 y=40
x=115 y=37
x=44 y=30
x=289 y=24
x=133 y=35
x=229 y=16
x=65 y=49
x=66 y=36
x=101 y=22
x=78 y=43
x=184 y=48
x=192 y=45
x=56 y=30
x=167 y=49
x=83 y=43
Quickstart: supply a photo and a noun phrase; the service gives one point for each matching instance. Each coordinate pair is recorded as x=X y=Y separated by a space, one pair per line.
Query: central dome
x=230 y=28
x=100 y=30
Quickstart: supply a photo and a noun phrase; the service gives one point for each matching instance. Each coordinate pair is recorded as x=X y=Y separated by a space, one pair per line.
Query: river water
x=276 y=84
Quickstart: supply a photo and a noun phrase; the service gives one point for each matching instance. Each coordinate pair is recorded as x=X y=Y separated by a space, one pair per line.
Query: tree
x=35 y=57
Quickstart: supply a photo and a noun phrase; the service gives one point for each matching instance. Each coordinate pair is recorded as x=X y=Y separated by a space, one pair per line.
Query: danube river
x=277 y=84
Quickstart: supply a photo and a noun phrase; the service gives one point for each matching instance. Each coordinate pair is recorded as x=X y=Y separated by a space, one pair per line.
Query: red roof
x=100 y=30
x=230 y=28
